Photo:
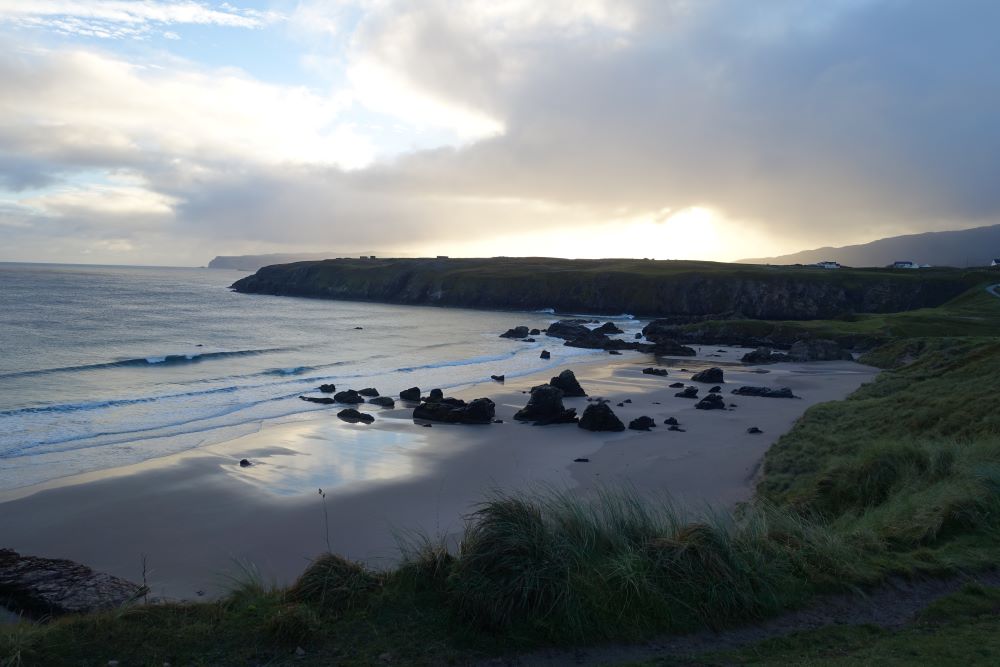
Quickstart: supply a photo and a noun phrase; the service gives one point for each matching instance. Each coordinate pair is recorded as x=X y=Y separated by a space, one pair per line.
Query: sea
x=106 y=366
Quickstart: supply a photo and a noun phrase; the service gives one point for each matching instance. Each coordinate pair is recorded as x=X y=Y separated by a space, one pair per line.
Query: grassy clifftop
x=640 y=287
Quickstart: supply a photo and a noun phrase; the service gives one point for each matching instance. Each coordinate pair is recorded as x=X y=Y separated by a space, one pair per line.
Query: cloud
x=772 y=126
x=116 y=19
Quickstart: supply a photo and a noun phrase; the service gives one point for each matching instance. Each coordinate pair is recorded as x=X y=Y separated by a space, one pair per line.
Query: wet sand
x=198 y=514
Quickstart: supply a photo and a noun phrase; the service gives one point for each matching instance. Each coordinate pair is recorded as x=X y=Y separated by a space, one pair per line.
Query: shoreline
x=195 y=513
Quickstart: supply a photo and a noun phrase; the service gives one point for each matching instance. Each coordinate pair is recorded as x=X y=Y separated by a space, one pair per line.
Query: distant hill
x=967 y=247
x=254 y=262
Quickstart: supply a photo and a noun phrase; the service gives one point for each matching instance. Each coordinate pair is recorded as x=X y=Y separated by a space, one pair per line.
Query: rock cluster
x=411 y=394
x=349 y=396
x=546 y=407
x=456 y=411
x=709 y=375
x=655 y=371
x=711 y=402
x=642 y=423
x=567 y=382
x=352 y=416
x=599 y=417
x=765 y=392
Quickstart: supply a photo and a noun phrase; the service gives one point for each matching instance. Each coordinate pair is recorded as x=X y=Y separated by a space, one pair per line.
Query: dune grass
x=902 y=478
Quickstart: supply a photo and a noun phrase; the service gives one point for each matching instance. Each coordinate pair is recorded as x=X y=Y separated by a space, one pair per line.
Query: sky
x=166 y=132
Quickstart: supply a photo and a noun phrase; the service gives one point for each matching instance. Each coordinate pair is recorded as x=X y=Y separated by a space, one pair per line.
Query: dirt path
x=889 y=606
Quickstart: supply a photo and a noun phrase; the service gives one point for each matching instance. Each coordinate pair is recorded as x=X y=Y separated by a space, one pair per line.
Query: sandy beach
x=196 y=515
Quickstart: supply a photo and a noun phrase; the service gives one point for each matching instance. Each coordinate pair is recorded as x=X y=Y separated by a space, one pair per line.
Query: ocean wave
x=460 y=362
x=153 y=360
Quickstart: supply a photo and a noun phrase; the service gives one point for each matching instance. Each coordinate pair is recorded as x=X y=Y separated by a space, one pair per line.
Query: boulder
x=711 y=402
x=545 y=355
x=546 y=407
x=328 y=388
x=568 y=383
x=435 y=395
x=638 y=335
x=608 y=328
x=349 y=396
x=455 y=411
x=715 y=390
x=49 y=587
x=383 y=401
x=567 y=329
x=818 y=350
x=675 y=427
x=753 y=430
x=599 y=417
x=535 y=332
x=411 y=394
x=516 y=332
x=352 y=416
x=497 y=378
x=764 y=355
x=676 y=385
x=324 y=400
x=642 y=423
x=671 y=421
x=765 y=392
x=614 y=352
x=245 y=463
x=655 y=371
x=710 y=375
x=368 y=391
x=589 y=340
x=688 y=392
x=671 y=348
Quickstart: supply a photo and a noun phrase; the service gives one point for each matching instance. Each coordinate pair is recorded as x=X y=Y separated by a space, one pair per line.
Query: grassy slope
x=902 y=477
x=974 y=313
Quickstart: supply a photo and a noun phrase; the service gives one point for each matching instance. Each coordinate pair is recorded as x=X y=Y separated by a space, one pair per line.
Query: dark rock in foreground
x=435 y=395
x=328 y=388
x=368 y=391
x=45 y=586
x=411 y=394
x=715 y=390
x=545 y=355
x=516 y=332
x=671 y=348
x=662 y=372
x=245 y=463
x=765 y=392
x=753 y=430
x=599 y=417
x=709 y=375
x=568 y=383
x=352 y=416
x=764 y=355
x=711 y=402
x=546 y=407
x=642 y=423
x=671 y=421
x=608 y=328
x=383 y=401
x=350 y=396
x=497 y=378
x=689 y=392
x=456 y=411
x=567 y=329
x=676 y=385
x=323 y=400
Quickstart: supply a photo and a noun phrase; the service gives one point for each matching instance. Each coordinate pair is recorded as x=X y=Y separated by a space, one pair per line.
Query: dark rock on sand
x=46 y=586
x=676 y=385
x=671 y=348
x=642 y=424
x=497 y=378
x=383 y=401
x=567 y=329
x=599 y=417
x=627 y=400
x=324 y=400
x=568 y=383
x=614 y=352
x=818 y=350
x=352 y=416
x=711 y=402
x=620 y=405
x=435 y=395
x=328 y=388
x=638 y=335
x=753 y=430
x=710 y=375
x=546 y=407
x=609 y=328
x=527 y=340
x=581 y=460
x=535 y=332
x=349 y=396
x=675 y=427
x=689 y=392
x=765 y=392
x=516 y=332
x=456 y=411
x=411 y=394
x=662 y=372
x=764 y=355
x=671 y=421
x=715 y=390
x=368 y=391
x=245 y=463
x=545 y=355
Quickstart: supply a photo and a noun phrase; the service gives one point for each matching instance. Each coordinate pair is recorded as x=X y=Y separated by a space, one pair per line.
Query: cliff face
x=686 y=290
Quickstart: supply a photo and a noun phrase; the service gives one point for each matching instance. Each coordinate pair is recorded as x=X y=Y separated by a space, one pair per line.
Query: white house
x=827 y=264
x=996 y=262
